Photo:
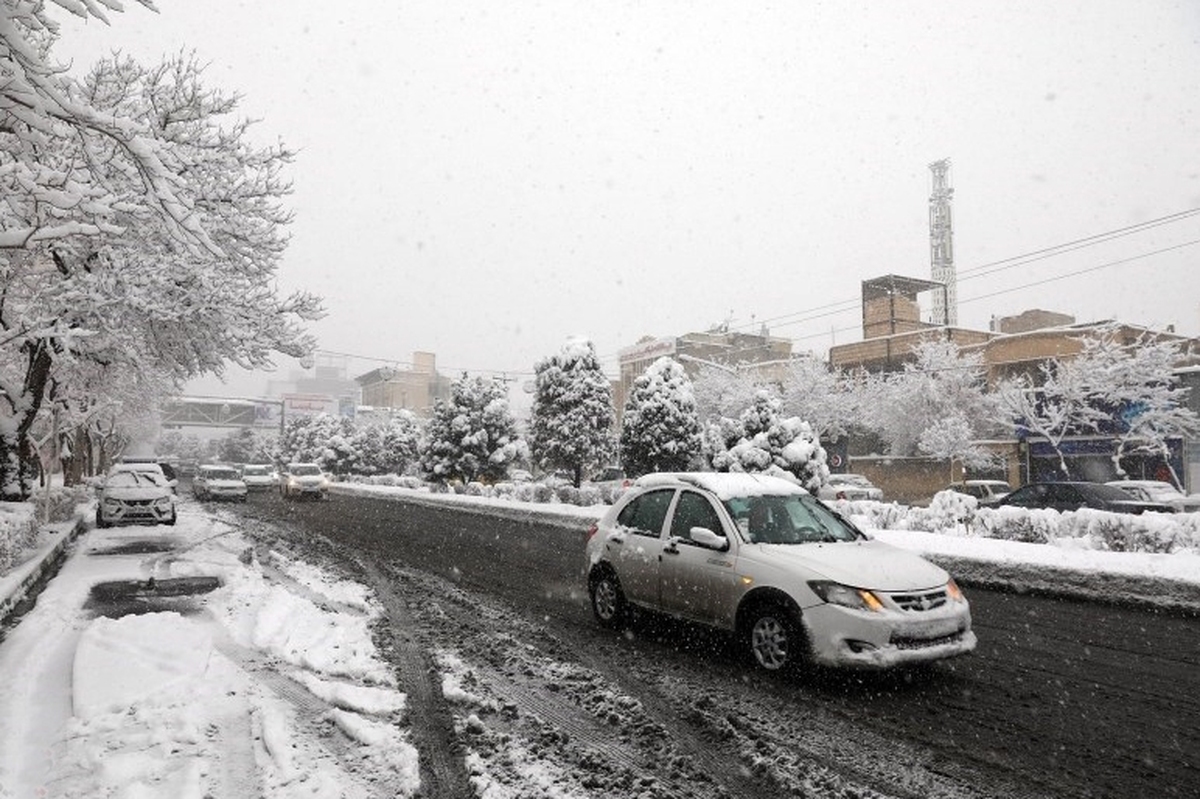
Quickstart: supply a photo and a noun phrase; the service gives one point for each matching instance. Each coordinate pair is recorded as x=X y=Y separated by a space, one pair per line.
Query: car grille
x=921 y=602
x=905 y=642
x=137 y=503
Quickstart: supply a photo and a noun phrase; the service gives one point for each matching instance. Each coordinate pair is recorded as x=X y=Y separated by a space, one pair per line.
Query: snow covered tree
x=825 y=398
x=140 y=229
x=660 y=431
x=247 y=445
x=938 y=405
x=762 y=440
x=572 y=417
x=723 y=392
x=1126 y=386
x=472 y=436
x=323 y=439
x=390 y=447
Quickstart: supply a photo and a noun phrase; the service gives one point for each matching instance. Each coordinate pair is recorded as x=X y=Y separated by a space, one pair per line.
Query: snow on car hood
x=861 y=564
x=133 y=493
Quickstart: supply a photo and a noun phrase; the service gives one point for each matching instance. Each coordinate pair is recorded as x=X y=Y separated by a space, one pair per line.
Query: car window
x=223 y=474
x=646 y=513
x=694 y=510
x=787 y=519
x=305 y=470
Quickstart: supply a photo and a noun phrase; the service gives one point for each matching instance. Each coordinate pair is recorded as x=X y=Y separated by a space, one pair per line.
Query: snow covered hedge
x=18 y=529
x=951 y=513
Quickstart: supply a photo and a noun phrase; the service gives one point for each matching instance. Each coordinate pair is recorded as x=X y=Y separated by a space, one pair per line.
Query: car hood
x=135 y=493
x=224 y=483
x=861 y=564
x=308 y=479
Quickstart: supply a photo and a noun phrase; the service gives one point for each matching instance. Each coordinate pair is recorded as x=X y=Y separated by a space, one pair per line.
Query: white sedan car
x=851 y=487
x=303 y=480
x=759 y=557
x=130 y=496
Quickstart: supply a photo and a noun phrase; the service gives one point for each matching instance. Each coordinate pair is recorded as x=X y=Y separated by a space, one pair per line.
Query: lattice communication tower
x=941 y=245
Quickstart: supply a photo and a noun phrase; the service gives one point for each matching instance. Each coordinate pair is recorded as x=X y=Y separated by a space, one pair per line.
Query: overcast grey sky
x=482 y=180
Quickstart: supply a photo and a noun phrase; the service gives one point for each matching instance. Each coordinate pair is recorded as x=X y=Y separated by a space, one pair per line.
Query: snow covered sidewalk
x=176 y=662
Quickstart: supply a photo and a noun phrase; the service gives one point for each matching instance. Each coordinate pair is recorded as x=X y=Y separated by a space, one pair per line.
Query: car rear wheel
x=773 y=637
x=608 y=601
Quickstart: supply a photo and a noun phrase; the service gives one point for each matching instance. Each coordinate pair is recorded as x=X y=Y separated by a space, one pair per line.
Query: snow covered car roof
x=725 y=485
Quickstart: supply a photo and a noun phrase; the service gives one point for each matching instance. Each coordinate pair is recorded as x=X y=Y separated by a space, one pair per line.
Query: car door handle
x=616 y=538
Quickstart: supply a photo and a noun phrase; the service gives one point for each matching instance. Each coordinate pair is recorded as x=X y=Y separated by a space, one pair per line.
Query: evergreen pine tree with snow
x=660 y=430
x=572 y=418
x=472 y=436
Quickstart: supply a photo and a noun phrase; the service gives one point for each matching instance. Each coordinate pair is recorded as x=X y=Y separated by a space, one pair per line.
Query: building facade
x=415 y=389
x=761 y=355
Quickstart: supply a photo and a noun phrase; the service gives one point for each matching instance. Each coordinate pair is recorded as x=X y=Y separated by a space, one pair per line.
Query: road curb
x=15 y=586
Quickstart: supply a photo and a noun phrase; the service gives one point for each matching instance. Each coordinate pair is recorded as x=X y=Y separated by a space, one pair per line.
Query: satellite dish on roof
x=529 y=386
x=307 y=361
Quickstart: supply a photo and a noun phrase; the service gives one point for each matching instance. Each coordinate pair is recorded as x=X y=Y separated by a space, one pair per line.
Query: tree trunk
x=18 y=458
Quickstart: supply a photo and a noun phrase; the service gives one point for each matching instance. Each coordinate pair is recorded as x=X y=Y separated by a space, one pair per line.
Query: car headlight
x=162 y=502
x=112 y=504
x=954 y=592
x=846 y=596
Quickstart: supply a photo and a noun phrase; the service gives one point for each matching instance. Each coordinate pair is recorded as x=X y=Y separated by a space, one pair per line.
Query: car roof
x=724 y=484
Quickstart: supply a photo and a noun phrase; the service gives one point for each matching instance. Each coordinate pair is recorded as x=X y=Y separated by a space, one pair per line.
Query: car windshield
x=129 y=479
x=305 y=470
x=221 y=474
x=255 y=471
x=787 y=519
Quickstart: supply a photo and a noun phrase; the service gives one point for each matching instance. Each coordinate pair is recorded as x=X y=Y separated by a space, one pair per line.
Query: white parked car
x=218 y=482
x=850 y=486
x=988 y=492
x=760 y=557
x=259 y=477
x=303 y=480
x=1159 y=491
x=133 y=496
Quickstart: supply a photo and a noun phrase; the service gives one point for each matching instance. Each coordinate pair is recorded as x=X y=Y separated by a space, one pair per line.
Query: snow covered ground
x=107 y=693
x=269 y=683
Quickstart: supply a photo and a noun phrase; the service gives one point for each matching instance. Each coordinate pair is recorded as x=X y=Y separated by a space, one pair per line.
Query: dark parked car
x=1073 y=496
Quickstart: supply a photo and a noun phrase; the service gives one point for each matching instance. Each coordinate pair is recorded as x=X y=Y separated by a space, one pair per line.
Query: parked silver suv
x=762 y=558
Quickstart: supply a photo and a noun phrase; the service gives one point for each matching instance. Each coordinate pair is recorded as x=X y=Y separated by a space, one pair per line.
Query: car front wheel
x=774 y=638
x=608 y=601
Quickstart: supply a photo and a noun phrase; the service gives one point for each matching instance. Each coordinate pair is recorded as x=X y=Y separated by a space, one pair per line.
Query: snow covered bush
x=761 y=441
x=949 y=511
x=660 y=431
x=390 y=447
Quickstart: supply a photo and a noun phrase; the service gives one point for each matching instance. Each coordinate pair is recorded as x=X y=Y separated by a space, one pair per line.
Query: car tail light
x=591 y=531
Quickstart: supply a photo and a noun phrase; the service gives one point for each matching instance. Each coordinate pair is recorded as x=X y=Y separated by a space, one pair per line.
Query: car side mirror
x=708 y=539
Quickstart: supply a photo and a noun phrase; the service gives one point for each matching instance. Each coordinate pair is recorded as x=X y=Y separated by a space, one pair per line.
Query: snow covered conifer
x=660 y=431
x=472 y=436
x=572 y=418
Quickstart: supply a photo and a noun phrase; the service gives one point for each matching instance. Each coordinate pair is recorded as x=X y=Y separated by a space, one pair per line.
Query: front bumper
x=841 y=636
x=137 y=511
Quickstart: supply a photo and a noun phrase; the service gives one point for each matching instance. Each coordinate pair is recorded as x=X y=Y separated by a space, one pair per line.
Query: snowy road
x=1062 y=699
